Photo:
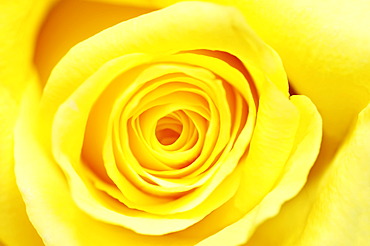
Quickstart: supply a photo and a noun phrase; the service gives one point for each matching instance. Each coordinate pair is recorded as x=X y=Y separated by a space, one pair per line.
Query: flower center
x=168 y=129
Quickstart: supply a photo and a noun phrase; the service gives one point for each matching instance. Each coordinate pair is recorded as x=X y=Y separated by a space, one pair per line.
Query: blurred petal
x=325 y=48
x=333 y=210
x=20 y=21
x=158 y=3
x=19 y=25
x=87 y=18
x=15 y=228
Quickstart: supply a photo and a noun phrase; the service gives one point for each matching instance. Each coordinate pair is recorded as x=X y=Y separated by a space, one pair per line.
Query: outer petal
x=20 y=21
x=15 y=228
x=325 y=48
x=18 y=29
x=333 y=209
x=87 y=18
x=307 y=139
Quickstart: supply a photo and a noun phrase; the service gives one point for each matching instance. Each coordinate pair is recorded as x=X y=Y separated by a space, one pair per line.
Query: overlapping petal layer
x=122 y=126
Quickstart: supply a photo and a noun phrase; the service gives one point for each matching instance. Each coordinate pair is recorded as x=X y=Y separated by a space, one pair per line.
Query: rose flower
x=174 y=127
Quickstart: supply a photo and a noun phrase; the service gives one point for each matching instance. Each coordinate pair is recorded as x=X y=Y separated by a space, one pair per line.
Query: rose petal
x=72 y=21
x=296 y=170
x=325 y=51
x=19 y=24
x=338 y=209
x=15 y=227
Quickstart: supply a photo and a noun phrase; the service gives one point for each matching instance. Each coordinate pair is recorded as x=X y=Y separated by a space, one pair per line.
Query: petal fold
x=333 y=209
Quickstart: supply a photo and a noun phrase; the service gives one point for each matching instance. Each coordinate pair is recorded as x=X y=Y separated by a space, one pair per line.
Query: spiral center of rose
x=168 y=129
x=163 y=132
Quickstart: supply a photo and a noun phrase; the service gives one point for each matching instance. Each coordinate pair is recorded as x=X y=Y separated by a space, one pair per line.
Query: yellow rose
x=175 y=127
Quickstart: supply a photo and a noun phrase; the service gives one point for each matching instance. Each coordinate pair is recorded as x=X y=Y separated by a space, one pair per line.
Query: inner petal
x=168 y=130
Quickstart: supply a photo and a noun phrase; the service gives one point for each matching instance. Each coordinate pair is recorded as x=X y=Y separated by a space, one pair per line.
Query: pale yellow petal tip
x=364 y=116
